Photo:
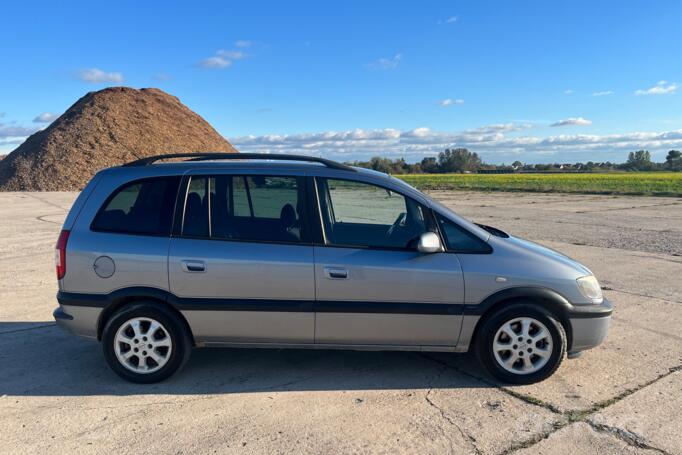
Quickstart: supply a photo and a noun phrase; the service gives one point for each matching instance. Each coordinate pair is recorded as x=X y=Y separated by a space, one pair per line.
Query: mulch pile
x=106 y=128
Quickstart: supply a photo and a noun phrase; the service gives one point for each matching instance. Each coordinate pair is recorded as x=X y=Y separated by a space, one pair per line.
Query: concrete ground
x=57 y=394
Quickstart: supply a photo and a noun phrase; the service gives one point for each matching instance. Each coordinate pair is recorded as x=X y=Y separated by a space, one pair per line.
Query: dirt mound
x=103 y=129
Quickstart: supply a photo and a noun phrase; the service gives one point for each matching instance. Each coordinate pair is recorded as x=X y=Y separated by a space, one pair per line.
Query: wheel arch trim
x=546 y=298
x=553 y=299
x=115 y=300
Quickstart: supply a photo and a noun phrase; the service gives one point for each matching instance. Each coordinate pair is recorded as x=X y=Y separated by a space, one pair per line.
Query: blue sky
x=535 y=81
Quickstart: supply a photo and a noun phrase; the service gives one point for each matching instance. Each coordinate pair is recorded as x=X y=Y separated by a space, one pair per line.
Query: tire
x=504 y=350
x=130 y=332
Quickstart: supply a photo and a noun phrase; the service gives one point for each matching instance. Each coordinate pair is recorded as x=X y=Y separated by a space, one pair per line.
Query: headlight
x=589 y=287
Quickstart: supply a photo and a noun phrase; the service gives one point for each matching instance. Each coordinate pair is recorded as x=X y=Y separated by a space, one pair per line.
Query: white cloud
x=242 y=43
x=232 y=55
x=222 y=59
x=421 y=132
x=604 y=93
x=10 y=141
x=215 y=62
x=97 y=76
x=572 y=121
x=449 y=20
x=661 y=88
x=568 y=92
x=13 y=131
x=490 y=140
x=385 y=63
x=497 y=128
x=449 y=102
x=45 y=117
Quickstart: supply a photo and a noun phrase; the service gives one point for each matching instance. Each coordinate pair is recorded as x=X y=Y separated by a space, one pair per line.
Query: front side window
x=246 y=208
x=360 y=214
x=143 y=207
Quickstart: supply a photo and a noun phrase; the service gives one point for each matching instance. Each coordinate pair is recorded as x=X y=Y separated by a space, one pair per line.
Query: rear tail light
x=60 y=254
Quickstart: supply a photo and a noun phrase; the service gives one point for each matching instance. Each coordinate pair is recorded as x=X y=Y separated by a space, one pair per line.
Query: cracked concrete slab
x=579 y=438
x=651 y=415
x=509 y=418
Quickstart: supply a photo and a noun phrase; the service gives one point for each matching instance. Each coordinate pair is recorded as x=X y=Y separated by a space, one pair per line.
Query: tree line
x=461 y=160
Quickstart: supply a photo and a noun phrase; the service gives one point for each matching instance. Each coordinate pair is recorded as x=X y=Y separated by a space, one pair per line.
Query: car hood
x=539 y=251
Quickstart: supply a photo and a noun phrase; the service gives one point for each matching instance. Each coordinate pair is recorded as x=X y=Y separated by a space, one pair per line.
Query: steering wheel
x=399 y=223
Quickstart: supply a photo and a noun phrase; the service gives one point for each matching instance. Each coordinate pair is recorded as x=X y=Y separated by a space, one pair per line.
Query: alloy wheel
x=522 y=345
x=142 y=345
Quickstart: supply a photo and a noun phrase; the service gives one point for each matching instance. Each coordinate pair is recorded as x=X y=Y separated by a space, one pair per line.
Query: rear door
x=373 y=286
x=240 y=261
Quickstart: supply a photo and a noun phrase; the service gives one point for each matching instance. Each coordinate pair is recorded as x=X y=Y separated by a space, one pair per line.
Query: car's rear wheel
x=145 y=343
x=521 y=344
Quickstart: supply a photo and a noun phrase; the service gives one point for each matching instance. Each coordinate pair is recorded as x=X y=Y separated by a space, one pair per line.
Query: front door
x=373 y=286
x=240 y=266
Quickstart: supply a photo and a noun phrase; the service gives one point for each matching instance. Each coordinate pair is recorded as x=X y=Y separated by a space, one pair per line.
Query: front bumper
x=589 y=325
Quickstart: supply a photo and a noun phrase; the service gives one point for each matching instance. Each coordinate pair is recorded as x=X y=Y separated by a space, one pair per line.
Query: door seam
x=314 y=296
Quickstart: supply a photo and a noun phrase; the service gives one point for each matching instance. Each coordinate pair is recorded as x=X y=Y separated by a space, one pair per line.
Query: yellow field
x=638 y=183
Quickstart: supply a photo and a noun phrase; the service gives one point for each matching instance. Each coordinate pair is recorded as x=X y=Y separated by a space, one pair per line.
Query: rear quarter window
x=141 y=207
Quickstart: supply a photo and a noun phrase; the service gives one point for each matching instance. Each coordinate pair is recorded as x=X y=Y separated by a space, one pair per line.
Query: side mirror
x=429 y=242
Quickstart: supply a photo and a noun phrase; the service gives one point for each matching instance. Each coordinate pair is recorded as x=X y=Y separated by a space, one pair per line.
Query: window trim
x=119 y=188
x=315 y=221
x=179 y=213
x=181 y=205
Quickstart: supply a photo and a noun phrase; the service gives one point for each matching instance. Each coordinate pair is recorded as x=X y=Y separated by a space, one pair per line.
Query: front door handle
x=193 y=266
x=336 y=273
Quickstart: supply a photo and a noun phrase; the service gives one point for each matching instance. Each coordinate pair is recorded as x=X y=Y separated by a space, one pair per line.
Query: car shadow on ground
x=38 y=359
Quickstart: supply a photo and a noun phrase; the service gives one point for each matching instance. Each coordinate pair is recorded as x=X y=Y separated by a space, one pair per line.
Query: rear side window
x=459 y=240
x=143 y=207
x=247 y=208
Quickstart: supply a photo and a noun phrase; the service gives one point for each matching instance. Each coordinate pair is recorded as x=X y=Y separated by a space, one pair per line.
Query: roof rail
x=208 y=156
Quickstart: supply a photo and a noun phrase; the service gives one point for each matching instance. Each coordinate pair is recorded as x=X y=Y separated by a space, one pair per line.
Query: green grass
x=635 y=183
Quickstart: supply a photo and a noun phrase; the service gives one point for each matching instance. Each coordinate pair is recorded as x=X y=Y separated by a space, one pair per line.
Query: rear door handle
x=336 y=273
x=193 y=266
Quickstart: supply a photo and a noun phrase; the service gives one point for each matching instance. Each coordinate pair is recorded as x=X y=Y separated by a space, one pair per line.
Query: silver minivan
x=252 y=250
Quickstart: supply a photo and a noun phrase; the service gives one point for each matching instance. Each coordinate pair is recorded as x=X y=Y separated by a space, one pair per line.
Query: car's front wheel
x=145 y=343
x=521 y=344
